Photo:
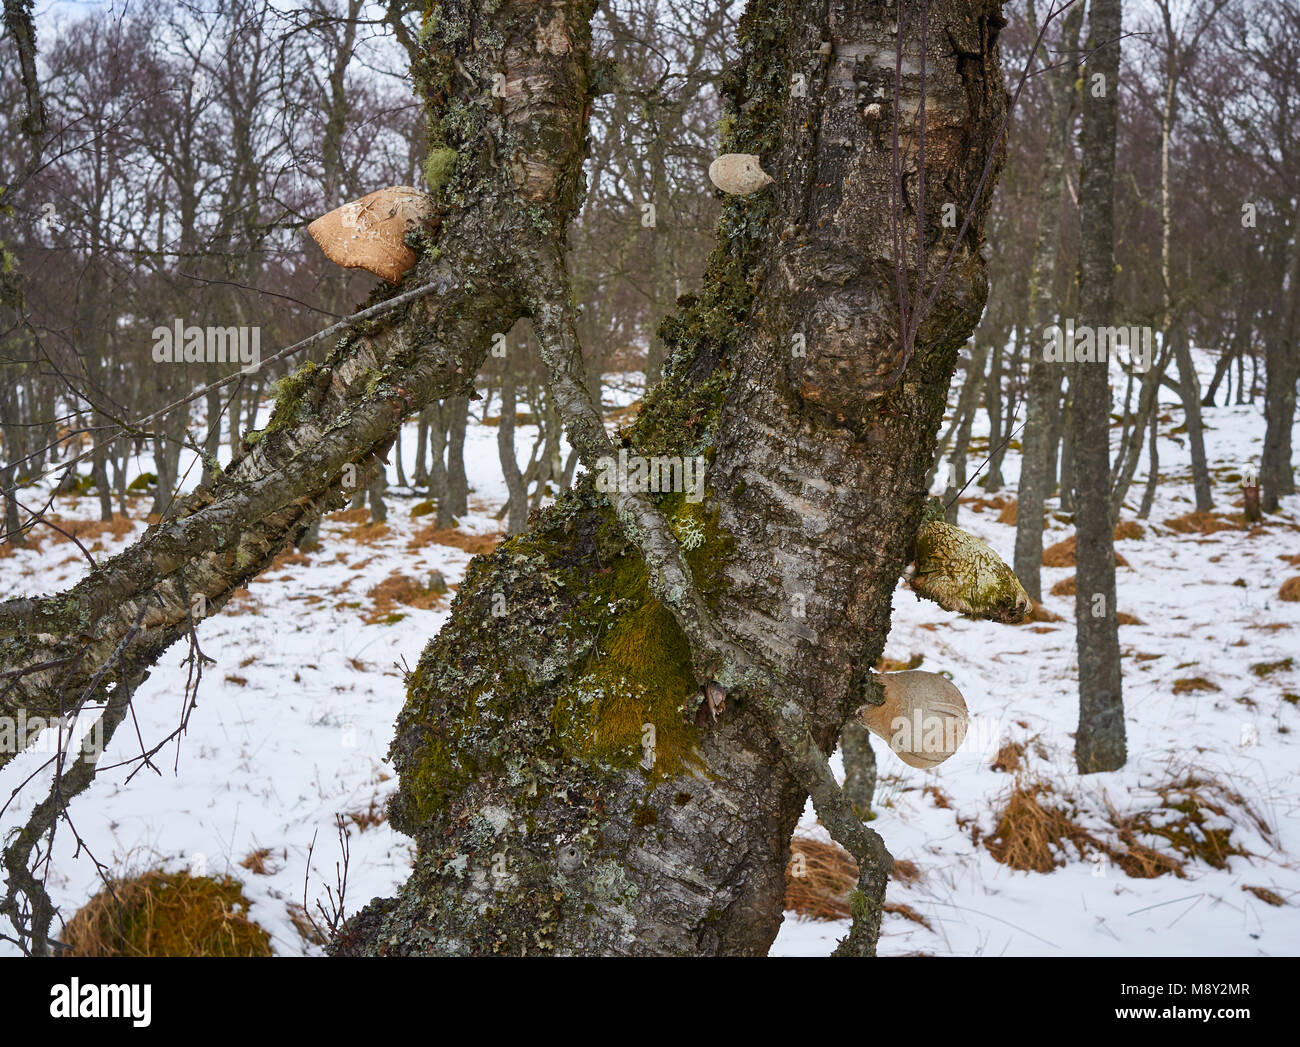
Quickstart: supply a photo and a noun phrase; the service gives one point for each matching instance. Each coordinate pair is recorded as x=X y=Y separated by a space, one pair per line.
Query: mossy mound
x=167 y=914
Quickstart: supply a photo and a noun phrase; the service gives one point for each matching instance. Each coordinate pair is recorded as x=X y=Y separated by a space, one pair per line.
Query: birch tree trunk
x=1043 y=386
x=561 y=796
x=1100 y=743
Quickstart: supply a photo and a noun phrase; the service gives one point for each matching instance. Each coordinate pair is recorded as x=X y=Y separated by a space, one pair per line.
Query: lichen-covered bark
x=565 y=793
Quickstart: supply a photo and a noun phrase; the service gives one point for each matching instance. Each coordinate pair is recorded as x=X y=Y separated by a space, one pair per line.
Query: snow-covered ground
x=295 y=717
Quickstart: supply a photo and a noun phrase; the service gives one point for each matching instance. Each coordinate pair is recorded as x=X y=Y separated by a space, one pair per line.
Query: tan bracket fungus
x=370 y=233
x=738 y=174
x=923 y=717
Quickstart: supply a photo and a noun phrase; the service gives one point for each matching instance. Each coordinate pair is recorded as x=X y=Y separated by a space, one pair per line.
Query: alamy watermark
x=1069 y=343
x=50 y=734
x=636 y=474
x=191 y=344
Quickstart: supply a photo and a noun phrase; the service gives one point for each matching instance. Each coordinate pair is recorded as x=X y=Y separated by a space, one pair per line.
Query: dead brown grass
x=368 y=818
x=260 y=862
x=167 y=914
x=895 y=665
x=1129 y=529
x=818 y=879
x=907 y=912
x=1034 y=828
x=1264 y=895
x=1290 y=590
x=1062 y=554
x=1010 y=757
x=1204 y=523
x=1065 y=587
x=368 y=533
x=307 y=930
x=397 y=589
x=1009 y=513
x=474 y=544
x=906 y=871
x=1038 y=828
x=1124 y=618
x=1187 y=804
x=1190 y=684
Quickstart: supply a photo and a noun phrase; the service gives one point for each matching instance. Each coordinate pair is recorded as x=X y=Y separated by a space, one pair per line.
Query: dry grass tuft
x=474 y=544
x=906 y=872
x=1065 y=587
x=289 y=558
x=819 y=878
x=368 y=533
x=1008 y=514
x=1182 y=821
x=1010 y=757
x=1130 y=529
x=1264 y=895
x=397 y=589
x=1033 y=829
x=375 y=814
x=1262 y=669
x=167 y=914
x=907 y=912
x=307 y=930
x=1203 y=523
x=1290 y=590
x=895 y=665
x=1123 y=618
x=1192 y=822
x=1062 y=554
x=260 y=863
x=1190 y=684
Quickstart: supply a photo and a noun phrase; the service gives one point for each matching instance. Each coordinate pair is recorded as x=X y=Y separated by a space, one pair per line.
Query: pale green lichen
x=438 y=167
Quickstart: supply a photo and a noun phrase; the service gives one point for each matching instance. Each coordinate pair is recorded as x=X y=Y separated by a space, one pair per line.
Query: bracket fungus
x=738 y=174
x=370 y=233
x=923 y=717
x=960 y=573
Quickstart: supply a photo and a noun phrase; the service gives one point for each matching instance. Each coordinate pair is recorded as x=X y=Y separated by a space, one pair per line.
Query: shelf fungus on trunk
x=960 y=573
x=923 y=717
x=738 y=174
x=370 y=233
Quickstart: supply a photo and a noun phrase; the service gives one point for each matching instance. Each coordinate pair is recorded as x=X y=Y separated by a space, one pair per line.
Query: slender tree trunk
x=1189 y=390
x=517 y=501
x=1099 y=743
x=1043 y=387
x=457 y=481
x=1282 y=368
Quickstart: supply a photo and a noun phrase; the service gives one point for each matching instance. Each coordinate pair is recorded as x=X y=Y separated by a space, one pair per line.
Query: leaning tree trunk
x=563 y=789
